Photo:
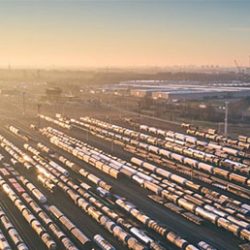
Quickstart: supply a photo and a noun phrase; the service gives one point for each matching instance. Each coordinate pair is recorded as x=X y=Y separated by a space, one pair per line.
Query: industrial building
x=185 y=91
x=199 y=94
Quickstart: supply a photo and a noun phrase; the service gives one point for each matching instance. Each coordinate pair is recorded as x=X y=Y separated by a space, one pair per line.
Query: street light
x=226 y=119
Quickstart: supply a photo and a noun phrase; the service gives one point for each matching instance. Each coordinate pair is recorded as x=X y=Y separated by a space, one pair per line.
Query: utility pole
x=38 y=114
x=38 y=108
x=226 y=119
x=23 y=103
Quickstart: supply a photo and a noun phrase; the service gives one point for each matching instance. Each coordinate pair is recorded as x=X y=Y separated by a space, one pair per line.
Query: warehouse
x=182 y=91
x=198 y=94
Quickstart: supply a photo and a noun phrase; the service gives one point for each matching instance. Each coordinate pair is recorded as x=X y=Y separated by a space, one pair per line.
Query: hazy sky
x=45 y=33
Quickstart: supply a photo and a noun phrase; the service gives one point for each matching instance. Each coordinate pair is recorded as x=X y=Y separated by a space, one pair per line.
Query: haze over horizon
x=75 y=34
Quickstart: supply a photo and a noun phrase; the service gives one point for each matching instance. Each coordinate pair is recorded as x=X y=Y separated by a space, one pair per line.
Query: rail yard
x=124 y=125
x=100 y=183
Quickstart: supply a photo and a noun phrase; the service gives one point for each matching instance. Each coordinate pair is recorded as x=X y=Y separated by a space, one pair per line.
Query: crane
x=238 y=67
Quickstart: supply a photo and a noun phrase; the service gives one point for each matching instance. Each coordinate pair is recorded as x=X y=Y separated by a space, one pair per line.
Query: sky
x=124 y=33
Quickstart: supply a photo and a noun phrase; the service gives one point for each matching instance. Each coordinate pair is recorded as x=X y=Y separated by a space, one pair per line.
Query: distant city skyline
x=78 y=34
